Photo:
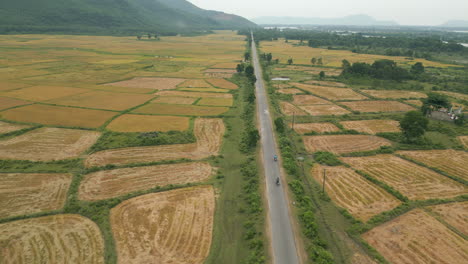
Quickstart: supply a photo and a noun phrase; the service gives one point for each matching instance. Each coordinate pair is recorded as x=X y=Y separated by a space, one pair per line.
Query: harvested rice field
x=290 y=109
x=225 y=65
x=290 y=91
x=149 y=123
x=104 y=100
x=309 y=100
x=326 y=109
x=66 y=238
x=184 y=110
x=195 y=83
x=113 y=183
x=414 y=102
x=192 y=94
x=209 y=90
x=215 y=101
x=416 y=237
x=450 y=161
x=378 y=106
x=303 y=128
x=5 y=86
x=175 y=100
x=29 y=193
x=327 y=83
x=454 y=214
x=331 y=93
x=351 y=191
x=455 y=95
x=6 y=103
x=9 y=127
x=222 y=83
x=58 y=116
x=177 y=226
x=43 y=93
x=150 y=83
x=394 y=94
x=47 y=144
x=413 y=181
x=372 y=126
x=340 y=144
x=208 y=132
x=462 y=139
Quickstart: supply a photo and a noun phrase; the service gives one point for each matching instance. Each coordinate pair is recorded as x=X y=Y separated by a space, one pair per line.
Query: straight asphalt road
x=282 y=237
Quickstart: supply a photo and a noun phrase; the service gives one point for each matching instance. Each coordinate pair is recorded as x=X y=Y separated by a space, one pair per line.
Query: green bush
x=327 y=158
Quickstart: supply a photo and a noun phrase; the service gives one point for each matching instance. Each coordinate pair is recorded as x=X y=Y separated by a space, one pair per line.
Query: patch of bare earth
x=51 y=239
x=113 y=183
x=340 y=144
x=302 y=128
x=47 y=144
x=209 y=133
x=416 y=237
x=455 y=214
x=167 y=227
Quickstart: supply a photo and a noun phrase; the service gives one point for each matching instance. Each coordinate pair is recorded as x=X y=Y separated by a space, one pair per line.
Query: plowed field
x=303 y=128
x=222 y=83
x=113 y=183
x=327 y=109
x=378 y=106
x=290 y=109
x=372 y=126
x=351 y=191
x=52 y=239
x=10 y=102
x=46 y=144
x=209 y=134
x=450 y=161
x=330 y=92
x=168 y=227
x=9 y=127
x=309 y=100
x=149 y=123
x=28 y=193
x=394 y=94
x=416 y=237
x=413 y=181
x=186 y=110
x=340 y=144
x=455 y=214
x=150 y=83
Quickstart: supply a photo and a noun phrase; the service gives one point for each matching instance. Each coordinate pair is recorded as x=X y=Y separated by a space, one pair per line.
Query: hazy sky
x=406 y=12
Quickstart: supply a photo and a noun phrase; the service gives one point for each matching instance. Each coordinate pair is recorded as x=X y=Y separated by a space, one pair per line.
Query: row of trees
x=381 y=69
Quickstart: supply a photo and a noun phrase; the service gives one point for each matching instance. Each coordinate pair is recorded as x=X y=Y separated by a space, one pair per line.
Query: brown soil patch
x=104 y=100
x=150 y=83
x=327 y=83
x=372 y=126
x=414 y=102
x=450 y=161
x=351 y=191
x=113 y=183
x=340 y=144
x=47 y=144
x=8 y=127
x=185 y=110
x=193 y=94
x=309 y=100
x=174 y=100
x=222 y=83
x=330 y=92
x=327 y=109
x=413 y=181
x=209 y=134
x=29 y=193
x=290 y=91
x=416 y=237
x=303 y=128
x=195 y=83
x=58 y=116
x=52 y=239
x=378 y=106
x=394 y=94
x=147 y=123
x=10 y=102
x=168 y=227
x=290 y=109
x=463 y=140
x=455 y=214
x=44 y=93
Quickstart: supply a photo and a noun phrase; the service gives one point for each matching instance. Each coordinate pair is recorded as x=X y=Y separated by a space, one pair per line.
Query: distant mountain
x=456 y=23
x=354 y=20
x=112 y=17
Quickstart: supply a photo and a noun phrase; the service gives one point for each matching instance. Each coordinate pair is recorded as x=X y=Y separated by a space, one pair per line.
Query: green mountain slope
x=112 y=17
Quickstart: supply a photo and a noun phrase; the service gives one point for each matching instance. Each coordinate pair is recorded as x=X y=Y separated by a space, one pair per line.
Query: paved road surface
x=282 y=237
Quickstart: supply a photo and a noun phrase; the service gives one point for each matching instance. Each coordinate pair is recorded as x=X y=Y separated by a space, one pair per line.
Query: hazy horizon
x=404 y=12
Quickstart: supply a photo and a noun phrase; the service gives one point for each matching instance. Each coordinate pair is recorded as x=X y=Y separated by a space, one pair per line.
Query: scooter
x=275 y=158
x=277 y=181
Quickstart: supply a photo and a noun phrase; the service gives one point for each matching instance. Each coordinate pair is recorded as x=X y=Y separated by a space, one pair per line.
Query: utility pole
x=294 y=118
x=324 y=180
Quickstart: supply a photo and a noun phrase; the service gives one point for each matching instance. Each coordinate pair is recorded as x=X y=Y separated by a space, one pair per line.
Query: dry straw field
x=208 y=132
x=450 y=161
x=309 y=100
x=168 y=227
x=340 y=144
x=28 y=193
x=222 y=83
x=351 y=191
x=150 y=83
x=290 y=91
x=372 y=126
x=455 y=214
x=331 y=93
x=184 y=110
x=303 y=128
x=416 y=237
x=9 y=127
x=148 y=123
x=413 y=181
x=326 y=109
x=43 y=93
x=46 y=144
x=175 y=100
x=51 y=239
x=327 y=83
x=463 y=140
x=394 y=94
x=378 y=106
x=6 y=103
x=290 y=109
x=113 y=183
